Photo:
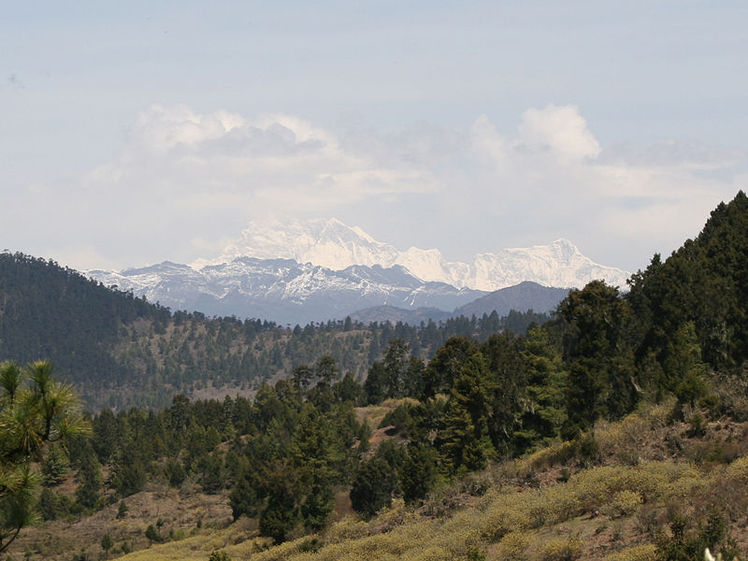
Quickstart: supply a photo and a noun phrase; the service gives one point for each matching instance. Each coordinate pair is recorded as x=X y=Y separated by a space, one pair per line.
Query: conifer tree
x=89 y=479
x=372 y=487
x=54 y=466
x=35 y=410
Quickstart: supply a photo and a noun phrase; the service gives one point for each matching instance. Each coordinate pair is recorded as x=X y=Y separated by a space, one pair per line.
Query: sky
x=133 y=133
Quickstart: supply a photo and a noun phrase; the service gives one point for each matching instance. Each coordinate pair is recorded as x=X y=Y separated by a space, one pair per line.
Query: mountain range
x=333 y=244
x=319 y=270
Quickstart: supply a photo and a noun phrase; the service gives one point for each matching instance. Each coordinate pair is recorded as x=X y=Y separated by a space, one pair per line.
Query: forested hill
x=119 y=350
x=47 y=311
x=704 y=282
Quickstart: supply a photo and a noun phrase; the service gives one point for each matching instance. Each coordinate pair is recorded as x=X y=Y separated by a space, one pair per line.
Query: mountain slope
x=283 y=290
x=520 y=298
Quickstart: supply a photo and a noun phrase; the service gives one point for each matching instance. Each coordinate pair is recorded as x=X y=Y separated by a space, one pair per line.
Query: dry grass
x=181 y=514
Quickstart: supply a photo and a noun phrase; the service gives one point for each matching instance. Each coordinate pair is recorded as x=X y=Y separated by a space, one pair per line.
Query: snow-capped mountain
x=333 y=244
x=299 y=272
x=283 y=290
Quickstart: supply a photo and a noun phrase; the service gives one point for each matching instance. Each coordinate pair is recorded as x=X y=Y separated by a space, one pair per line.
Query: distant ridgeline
x=119 y=350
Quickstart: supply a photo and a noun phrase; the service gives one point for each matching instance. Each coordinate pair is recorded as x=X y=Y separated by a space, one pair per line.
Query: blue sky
x=134 y=133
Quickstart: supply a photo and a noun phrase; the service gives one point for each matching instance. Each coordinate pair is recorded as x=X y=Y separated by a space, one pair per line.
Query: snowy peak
x=327 y=243
x=298 y=272
x=282 y=289
x=336 y=246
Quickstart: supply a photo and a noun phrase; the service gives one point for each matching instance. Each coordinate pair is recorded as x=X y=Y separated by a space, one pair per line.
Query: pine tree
x=35 y=410
x=465 y=438
x=48 y=504
x=372 y=487
x=543 y=408
x=106 y=544
x=418 y=473
x=54 y=466
x=89 y=479
x=282 y=513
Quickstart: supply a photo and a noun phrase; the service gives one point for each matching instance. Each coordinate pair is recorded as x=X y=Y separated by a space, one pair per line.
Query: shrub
x=696 y=426
x=153 y=535
x=562 y=549
x=399 y=418
x=475 y=554
x=122 y=510
x=589 y=450
x=175 y=473
x=646 y=552
x=512 y=547
x=623 y=503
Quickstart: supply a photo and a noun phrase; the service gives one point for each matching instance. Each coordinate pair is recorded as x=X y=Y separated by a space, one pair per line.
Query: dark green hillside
x=704 y=282
x=119 y=350
x=47 y=311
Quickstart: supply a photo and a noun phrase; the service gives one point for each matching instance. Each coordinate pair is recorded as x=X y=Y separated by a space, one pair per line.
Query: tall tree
x=599 y=355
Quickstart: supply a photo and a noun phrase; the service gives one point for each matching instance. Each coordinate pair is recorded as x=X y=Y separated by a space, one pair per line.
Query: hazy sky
x=132 y=133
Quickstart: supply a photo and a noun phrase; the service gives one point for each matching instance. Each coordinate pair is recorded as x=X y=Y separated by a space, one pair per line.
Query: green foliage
x=153 y=534
x=475 y=554
x=122 y=510
x=219 y=555
x=418 y=473
x=48 y=504
x=543 y=408
x=35 y=411
x=89 y=479
x=247 y=496
x=372 y=487
x=375 y=386
x=106 y=543
x=562 y=549
x=54 y=466
x=128 y=477
x=175 y=473
x=398 y=417
x=465 y=441
x=282 y=513
x=318 y=507
x=210 y=467
x=600 y=366
x=623 y=503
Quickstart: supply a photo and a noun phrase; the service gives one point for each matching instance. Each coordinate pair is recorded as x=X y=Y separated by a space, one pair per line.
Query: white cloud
x=160 y=128
x=554 y=176
x=176 y=152
x=561 y=129
x=184 y=182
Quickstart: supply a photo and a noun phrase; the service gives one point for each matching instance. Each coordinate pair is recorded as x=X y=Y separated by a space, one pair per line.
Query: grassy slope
x=547 y=506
